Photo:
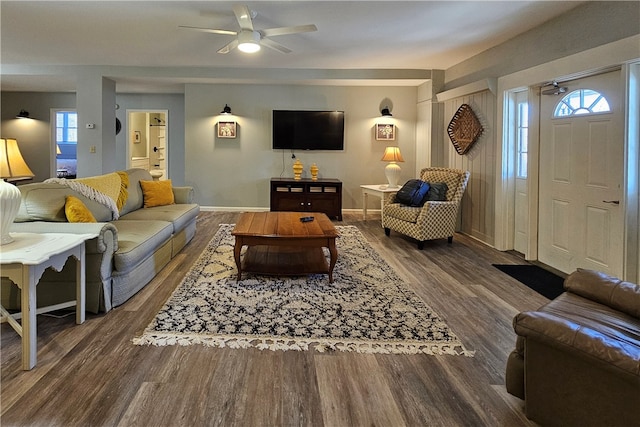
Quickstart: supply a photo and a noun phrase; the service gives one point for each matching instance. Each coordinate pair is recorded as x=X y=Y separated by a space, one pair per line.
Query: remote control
x=306 y=218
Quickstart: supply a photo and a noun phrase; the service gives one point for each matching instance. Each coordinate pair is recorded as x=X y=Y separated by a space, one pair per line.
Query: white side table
x=379 y=190
x=24 y=261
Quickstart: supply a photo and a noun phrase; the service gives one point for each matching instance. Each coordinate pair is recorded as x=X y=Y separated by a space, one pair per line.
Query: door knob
x=613 y=202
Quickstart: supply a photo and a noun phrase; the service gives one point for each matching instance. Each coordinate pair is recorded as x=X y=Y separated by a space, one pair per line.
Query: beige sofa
x=577 y=358
x=128 y=251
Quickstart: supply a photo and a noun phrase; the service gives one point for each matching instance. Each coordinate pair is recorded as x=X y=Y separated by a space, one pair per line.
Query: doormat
x=540 y=280
x=367 y=309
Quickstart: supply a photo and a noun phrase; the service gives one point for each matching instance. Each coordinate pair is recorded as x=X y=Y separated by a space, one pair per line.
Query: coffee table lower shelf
x=284 y=260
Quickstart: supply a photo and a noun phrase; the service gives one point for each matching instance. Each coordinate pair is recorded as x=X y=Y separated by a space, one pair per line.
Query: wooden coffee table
x=278 y=243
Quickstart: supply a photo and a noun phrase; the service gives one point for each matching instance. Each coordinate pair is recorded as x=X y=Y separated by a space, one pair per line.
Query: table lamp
x=392 y=170
x=12 y=166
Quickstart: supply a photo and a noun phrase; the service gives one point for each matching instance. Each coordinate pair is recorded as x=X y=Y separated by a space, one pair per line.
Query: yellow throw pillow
x=124 y=193
x=76 y=211
x=157 y=193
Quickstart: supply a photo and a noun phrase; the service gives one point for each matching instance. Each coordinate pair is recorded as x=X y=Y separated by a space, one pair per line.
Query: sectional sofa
x=128 y=251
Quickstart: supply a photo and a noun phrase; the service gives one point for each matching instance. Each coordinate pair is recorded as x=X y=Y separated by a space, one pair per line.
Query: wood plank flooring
x=92 y=375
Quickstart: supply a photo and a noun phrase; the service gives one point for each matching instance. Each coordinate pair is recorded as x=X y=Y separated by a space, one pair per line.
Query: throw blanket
x=109 y=190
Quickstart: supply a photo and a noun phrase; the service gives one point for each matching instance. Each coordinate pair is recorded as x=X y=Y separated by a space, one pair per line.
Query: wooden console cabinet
x=306 y=195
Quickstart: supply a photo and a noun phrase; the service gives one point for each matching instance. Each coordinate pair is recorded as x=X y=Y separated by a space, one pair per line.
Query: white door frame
x=624 y=53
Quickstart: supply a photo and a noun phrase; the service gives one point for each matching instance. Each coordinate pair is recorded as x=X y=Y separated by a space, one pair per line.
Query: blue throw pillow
x=413 y=193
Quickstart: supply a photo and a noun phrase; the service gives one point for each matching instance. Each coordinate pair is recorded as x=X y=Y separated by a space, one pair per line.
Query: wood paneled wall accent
x=477 y=213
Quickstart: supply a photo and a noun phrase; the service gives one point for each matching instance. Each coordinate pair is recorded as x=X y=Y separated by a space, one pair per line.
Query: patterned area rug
x=367 y=309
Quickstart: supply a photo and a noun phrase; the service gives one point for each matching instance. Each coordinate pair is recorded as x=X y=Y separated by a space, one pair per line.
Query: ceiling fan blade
x=275 y=46
x=289 y=30
x=243 y=15
x=229 y=47
x=209 y=30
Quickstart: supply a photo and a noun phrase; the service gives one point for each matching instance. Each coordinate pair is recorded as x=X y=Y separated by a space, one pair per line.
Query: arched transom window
x=581 y=101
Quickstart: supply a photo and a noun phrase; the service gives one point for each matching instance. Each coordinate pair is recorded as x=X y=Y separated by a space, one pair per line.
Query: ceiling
x=352 y=35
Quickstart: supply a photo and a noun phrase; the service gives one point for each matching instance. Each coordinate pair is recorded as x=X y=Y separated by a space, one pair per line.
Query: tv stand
x=306 y=195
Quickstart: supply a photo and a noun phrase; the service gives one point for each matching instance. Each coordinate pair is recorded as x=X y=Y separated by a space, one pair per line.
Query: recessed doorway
x=147 y=141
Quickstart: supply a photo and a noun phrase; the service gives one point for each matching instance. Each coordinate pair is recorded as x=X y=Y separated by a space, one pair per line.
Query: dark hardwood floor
x=92 y=375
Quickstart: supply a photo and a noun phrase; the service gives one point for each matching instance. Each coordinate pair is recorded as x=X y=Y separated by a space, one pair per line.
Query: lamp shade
x=226 y=109
x=12 y=165
x=385 y=112
x=23 y=115
x=392 y=154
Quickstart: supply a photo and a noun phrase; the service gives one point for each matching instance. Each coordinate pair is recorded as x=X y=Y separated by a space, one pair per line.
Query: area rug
x=367 y=309
x=540 y=280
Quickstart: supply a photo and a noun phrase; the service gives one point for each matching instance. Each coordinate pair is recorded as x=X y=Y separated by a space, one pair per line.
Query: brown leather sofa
x=577 y=358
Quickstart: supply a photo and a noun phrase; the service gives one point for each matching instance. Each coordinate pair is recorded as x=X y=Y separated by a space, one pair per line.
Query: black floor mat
x=540 y=280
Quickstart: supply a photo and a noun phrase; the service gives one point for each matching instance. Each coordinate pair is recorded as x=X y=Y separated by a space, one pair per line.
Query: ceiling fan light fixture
x=249 y=41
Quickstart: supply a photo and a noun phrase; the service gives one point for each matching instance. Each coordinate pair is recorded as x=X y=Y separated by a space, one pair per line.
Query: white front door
x=581 y=176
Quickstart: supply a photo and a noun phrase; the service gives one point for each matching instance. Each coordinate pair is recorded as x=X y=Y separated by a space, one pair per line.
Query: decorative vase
x=297 y=169
x=314 y=172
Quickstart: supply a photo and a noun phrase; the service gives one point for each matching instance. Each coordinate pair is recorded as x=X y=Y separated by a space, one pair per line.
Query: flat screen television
x=308 y=130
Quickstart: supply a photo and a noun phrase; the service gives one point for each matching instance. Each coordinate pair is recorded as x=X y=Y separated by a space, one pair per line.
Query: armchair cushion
x=402 y=212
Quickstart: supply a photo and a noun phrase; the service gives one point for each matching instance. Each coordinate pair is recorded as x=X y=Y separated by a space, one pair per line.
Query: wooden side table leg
x=236 y=255
x=29 y=321
x=365 y=198
x=80 y=286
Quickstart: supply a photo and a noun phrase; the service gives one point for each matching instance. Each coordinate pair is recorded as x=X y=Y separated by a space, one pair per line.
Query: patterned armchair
x=434 y=220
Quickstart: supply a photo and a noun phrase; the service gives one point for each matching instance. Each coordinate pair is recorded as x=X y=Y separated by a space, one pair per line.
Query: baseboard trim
x=262 y=209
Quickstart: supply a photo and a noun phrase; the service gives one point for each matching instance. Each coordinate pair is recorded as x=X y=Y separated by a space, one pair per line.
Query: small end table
x=24 y=261
x=379 y=190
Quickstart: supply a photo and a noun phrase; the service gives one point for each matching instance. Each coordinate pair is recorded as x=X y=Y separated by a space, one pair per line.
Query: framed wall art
x=385 y=132
x=464 y=129
x=226 y=129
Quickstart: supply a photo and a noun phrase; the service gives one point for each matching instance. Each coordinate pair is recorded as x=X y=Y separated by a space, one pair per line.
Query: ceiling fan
x=249 y=39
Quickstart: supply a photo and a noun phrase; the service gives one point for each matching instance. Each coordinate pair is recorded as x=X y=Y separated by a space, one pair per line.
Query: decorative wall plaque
x=464 y=129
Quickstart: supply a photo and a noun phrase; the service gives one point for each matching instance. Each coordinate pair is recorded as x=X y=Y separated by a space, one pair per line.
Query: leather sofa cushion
x=137 y=240
x=587 y=328
x=608 y=290
x=178 y=215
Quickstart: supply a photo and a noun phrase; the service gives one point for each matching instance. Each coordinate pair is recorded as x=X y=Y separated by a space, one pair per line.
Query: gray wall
x=591 y=24
x=34 y=136
x=236 y=172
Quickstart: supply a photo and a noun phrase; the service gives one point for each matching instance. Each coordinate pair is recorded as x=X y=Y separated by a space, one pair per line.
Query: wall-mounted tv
x=308 y=130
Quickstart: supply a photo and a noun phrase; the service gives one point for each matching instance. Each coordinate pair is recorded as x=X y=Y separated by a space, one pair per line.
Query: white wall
x=235 y=172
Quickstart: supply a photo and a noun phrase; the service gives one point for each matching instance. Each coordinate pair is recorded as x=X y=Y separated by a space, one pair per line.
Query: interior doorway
x=147 y=141
x=65 y=143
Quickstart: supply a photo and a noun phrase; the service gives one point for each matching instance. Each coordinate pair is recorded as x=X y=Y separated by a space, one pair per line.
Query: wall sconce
x=385 y=112
x=392 y=170
x=23 y=115
x=226 y=109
